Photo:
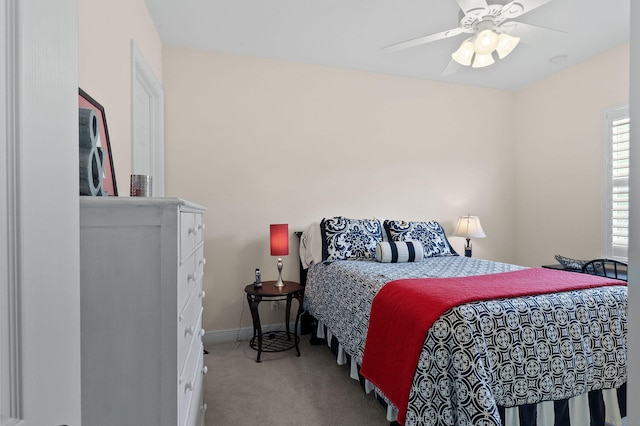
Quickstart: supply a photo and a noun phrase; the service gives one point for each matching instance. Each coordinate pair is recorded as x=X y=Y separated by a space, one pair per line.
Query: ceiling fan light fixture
x=506 y=44
x=486 y=42
x=464 y=54
x=489 y=25
x=483 y=60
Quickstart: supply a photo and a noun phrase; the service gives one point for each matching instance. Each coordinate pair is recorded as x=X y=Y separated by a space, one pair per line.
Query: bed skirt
x=595 y=408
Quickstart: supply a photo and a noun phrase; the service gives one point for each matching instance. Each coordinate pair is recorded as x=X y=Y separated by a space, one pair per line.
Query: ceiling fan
x=492 y=29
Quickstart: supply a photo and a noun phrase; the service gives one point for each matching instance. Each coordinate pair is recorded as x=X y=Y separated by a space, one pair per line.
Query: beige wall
x=271 y=142
x=559 y=158
x=106 y=29
x=261 y=141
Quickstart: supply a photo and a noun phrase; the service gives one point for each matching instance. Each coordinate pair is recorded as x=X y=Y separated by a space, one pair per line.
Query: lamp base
x=279 y=283
x=467 y=248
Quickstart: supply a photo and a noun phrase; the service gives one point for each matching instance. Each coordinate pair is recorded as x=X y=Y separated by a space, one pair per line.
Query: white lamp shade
x=469 y=227
x=464 y=54
x=486 y=42
x=483 y=60
x=506 y=44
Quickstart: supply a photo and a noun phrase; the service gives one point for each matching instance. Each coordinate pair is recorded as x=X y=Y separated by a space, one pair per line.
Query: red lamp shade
x=279 y=240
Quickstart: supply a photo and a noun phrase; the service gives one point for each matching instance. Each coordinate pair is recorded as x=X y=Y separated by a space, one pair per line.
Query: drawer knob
x=205 y=370
x=191 y=231
x=189 y=330
x=201 y=226
x=202 y=294
x=202 y=332
x=191 y=277
x=204 y=407
x=203 y=261
x=188 y=386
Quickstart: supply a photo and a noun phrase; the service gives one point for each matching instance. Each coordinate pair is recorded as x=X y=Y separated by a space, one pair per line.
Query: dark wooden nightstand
x=276 y=341
x=610 y=272
x=557 y=266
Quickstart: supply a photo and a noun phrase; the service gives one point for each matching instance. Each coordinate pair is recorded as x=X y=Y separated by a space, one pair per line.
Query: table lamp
x=469 y=227
x=279 y=247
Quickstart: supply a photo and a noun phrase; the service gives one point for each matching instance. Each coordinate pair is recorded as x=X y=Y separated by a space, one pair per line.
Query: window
x=615 y=229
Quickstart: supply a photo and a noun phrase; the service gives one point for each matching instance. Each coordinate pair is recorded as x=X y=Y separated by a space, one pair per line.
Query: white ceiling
x=350 y=34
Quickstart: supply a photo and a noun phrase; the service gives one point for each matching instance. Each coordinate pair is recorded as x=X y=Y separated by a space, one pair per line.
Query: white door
x=39 y=211
x=147 y=122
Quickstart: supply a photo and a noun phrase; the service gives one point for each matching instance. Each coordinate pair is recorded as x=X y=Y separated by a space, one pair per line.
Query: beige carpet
x=284 y=389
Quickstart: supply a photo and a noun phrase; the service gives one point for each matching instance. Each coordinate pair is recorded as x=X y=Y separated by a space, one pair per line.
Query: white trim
x=141 y=74
x=45 y=223
x=605 y=230
x=610 y=114
x=11 y=385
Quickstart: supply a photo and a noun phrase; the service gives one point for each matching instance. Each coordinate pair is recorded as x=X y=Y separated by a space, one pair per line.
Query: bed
x=552 y=357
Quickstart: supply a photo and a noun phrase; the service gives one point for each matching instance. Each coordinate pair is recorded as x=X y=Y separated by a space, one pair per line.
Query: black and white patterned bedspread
x=481 y=355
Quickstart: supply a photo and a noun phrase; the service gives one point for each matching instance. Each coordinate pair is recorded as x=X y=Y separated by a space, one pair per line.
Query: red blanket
x=404 y=310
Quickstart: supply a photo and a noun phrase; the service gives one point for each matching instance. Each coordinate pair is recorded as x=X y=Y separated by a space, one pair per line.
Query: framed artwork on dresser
x=97 y=174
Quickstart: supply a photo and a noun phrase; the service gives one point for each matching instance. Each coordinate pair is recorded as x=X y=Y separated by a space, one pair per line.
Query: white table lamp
x=469 y=227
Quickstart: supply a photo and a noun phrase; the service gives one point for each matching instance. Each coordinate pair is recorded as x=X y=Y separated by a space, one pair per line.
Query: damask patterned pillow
x=345 y=239
x=430 y=234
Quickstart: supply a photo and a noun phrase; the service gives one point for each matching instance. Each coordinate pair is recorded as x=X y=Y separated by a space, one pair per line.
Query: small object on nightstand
x=276 y=341
x=258 y=282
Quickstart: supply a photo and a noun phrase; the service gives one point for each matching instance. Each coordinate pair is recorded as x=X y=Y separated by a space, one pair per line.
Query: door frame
x=39 y=227
x=141 y=74
x=10 y=331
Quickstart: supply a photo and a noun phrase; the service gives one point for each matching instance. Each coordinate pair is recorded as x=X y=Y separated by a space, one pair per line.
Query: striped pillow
x=399 y=251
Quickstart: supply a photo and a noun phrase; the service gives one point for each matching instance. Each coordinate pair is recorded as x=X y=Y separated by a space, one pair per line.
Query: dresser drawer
x=195 y=416
x=189 y=382
x=200 y=262
x=189 y=279
x=191 y=232
x=198 y=221
x=189 y=328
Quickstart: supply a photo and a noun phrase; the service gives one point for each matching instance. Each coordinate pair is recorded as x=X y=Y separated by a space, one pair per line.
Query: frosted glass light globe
x=486 y=42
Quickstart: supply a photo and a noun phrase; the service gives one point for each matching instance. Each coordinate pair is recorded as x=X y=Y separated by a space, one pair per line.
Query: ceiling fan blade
x=529 y=34
x=519 y=7
x=423 y=40
x=468 y=5
x=451 y=68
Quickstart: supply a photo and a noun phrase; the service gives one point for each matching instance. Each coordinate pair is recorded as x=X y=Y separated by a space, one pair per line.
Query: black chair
x=606 y=268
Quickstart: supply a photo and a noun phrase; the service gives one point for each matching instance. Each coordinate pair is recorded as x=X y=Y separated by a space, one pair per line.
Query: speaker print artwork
x=97 y=177
x=91 y=155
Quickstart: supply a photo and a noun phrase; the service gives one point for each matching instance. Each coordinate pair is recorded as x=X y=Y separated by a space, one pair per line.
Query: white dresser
x=141 y=267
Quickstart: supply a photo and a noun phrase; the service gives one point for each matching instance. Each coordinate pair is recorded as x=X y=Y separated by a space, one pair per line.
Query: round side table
x=277 y=341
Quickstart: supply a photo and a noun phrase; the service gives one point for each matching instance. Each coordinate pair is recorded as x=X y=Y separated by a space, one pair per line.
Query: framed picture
x=97 y=175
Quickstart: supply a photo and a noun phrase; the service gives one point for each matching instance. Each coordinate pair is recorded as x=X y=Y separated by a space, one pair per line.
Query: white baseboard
x=244 y=333
x=231 y=335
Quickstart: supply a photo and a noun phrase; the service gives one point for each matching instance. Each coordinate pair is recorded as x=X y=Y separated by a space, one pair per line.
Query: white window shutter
x=616 y=206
